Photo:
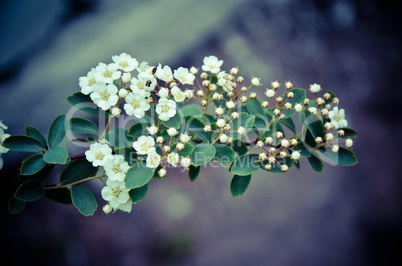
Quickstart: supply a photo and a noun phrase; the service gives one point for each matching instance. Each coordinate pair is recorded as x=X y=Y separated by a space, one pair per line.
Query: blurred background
x=342 y=216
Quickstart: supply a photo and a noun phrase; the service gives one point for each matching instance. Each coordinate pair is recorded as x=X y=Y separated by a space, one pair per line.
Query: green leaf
x=187 y=151
x=245 y=120
x=239 y=147
x=42 y=174
x=245 y=165
x=343 y=157
x=239 y=185
x=191 y=110
x=84 y=200
x=138 y=175
x=224 y=154
x=84 y=103
x=60 y=195
x=77 y=170
x=137 y=130
x=16 y=206
x=29 y=191
x=138 y=194
x=203 y=153
x=313 y=122
x=299 y=95
x=33 y=132
x=193 y=172
x=174 y=121
x=349 y=133
x=32 y=164
x=57 y=155
x=22 y=143
x=315 y=163
x=82 y=125
x=289 y=123
x=254 y=107
x=118 y=137
x=197 y=128
x=57 y=131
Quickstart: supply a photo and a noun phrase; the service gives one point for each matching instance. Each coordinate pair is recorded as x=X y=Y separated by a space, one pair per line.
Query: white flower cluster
x=3 y=136
x=100 y=154
x=108 y=84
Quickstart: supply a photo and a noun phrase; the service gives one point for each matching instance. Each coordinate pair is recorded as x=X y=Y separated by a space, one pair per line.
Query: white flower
x=221 y=122
x=136 y=105
x=173 y=158
x=184 y=76
x=98 y=154
x=104 y=96
x=338 y=118
x=123 y=93
x=117 y=194
x=255 y=81
x=314 y=88
x=270 y=93
x=116 y=168
x=230 y=104
x=313 y=110
x=143 y=84
x=107 y=73
x=164 y=74
x=298 y=107
x=163 y=92
x=126 y=77
x=153 y=130
x=153 y=160
x=107 y=209
x=162 y=172
x=224 y=81
x=224 y=138
x=3 y=136
x=116 y=111
x=178 y=95
x=212 y=64
x=349 y=143
x=185 y=162
x=165 y=109
x=125 y=62
x=285 y=143
x=242 y=130
x=143 y=67
x=184 y=137
x=295 y=155
x=172 y=131
x=87 y=82
x=189 y=94
x=144 y=145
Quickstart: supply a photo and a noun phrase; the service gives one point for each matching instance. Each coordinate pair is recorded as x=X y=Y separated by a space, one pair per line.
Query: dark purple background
x=342 y=216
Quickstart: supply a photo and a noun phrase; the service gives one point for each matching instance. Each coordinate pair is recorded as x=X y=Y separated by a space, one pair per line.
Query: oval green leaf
x=29 y=191
x=138 y=194
x=202 y=154
x=81 y=125
x=77 y=170
x=16 y=206
x=32 y=164
x=57 y=131
x=36 y=134
x=84 y=200
x=57 y=155
x=245 y=165
x=60 y=195
x=224 y=154
x=239 y=185
x=118 y=137
x=23 y=143
x=138 y=175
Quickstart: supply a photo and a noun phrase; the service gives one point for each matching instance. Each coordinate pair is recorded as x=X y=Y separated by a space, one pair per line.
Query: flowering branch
x=164 y=121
